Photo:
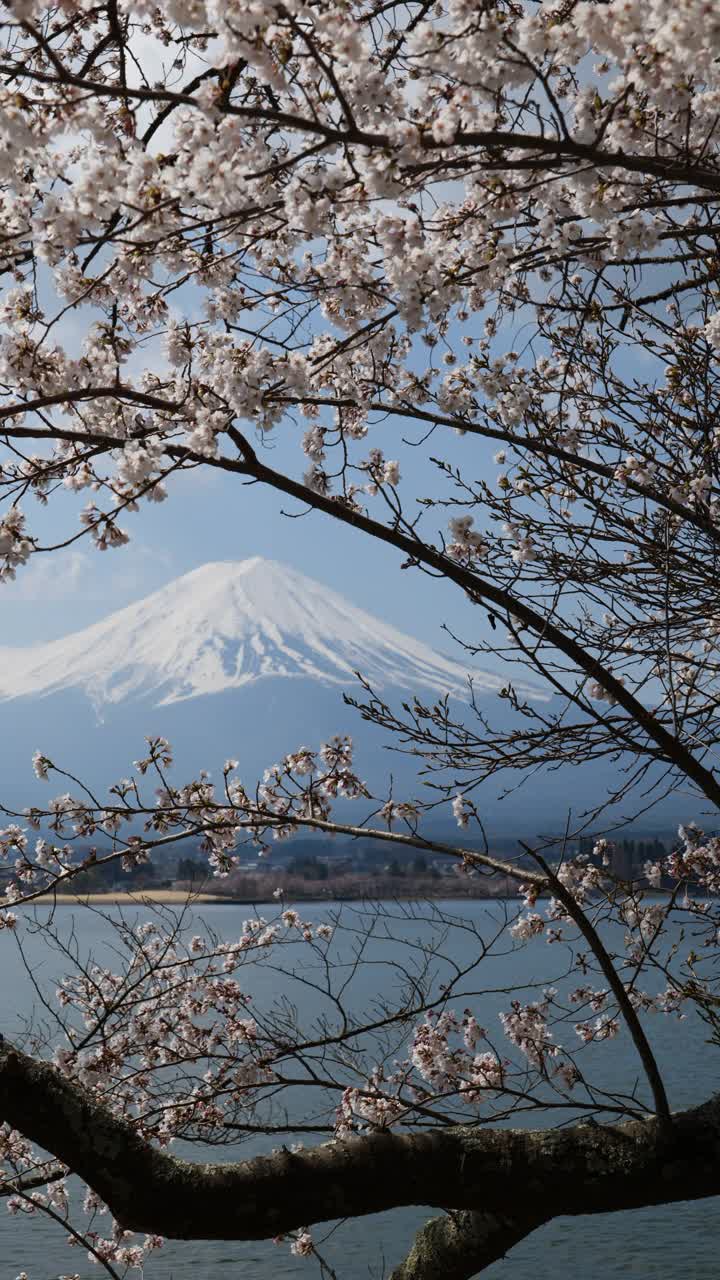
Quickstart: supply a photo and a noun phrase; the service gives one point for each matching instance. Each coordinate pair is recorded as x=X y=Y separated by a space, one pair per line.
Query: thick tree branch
x=463 y=1243
x=584 y=1169
x=536 y=445
x=416 y=840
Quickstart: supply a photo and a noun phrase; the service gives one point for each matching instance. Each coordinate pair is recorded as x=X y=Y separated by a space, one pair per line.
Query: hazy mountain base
x=257 y=725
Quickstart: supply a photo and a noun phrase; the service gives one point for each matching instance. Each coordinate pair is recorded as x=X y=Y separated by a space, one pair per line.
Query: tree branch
x=547 y=149
x=615 y=983
x=583 y=1169
x=460 y=1245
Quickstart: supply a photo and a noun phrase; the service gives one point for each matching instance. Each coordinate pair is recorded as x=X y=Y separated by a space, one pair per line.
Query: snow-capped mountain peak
x=224 y=626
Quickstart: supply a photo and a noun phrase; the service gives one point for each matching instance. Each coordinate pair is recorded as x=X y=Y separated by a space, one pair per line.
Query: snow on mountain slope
x=224 y=626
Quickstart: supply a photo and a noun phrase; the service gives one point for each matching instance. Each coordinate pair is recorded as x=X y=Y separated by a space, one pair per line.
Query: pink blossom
x=302 y=1245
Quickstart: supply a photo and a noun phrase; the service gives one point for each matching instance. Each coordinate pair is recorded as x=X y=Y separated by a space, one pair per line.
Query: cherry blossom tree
x=472 y=243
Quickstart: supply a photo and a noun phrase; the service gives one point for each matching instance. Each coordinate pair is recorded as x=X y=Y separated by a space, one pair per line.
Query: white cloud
x=52 y=577
x=66 y=576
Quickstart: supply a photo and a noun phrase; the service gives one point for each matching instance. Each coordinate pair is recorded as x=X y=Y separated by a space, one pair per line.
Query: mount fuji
x=226 y=627
x=246 y=659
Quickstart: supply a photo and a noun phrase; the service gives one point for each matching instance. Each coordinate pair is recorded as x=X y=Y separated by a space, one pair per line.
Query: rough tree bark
x=503 y=1183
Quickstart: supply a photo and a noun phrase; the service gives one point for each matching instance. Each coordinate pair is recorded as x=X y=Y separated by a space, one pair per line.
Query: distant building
x=622 y=862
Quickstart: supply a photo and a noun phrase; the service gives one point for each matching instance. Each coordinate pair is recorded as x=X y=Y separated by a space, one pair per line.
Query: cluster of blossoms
x=188 y=1006
x=527 y=926
x=305 y=785
x=581 y=879
x=600 y=694
x=15 y=547
x=442 y=1062
x=467 y=544
x=603 y=1028
x=647 y=920
x=527 y=1027
x=400 y=810
x=639 y=470
x=121 y=1248
x=444 y=1051
x=446 y=1061
x=697 y=859
x=460 y=810
x=369 y=1107
x=378 y=114
x=301 y=789
x=302 y=1246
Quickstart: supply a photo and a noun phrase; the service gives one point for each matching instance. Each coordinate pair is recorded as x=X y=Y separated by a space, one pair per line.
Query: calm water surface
x=679 y=1240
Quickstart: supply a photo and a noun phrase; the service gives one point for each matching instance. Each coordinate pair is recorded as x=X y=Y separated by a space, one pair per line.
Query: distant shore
x=161 y=897
x=175 y=897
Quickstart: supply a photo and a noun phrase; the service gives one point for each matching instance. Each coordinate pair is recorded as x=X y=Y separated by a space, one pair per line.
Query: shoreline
x=175 y=897
x=159 y=897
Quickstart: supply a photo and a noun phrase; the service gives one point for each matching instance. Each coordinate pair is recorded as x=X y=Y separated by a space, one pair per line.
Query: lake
x=659 y=1242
